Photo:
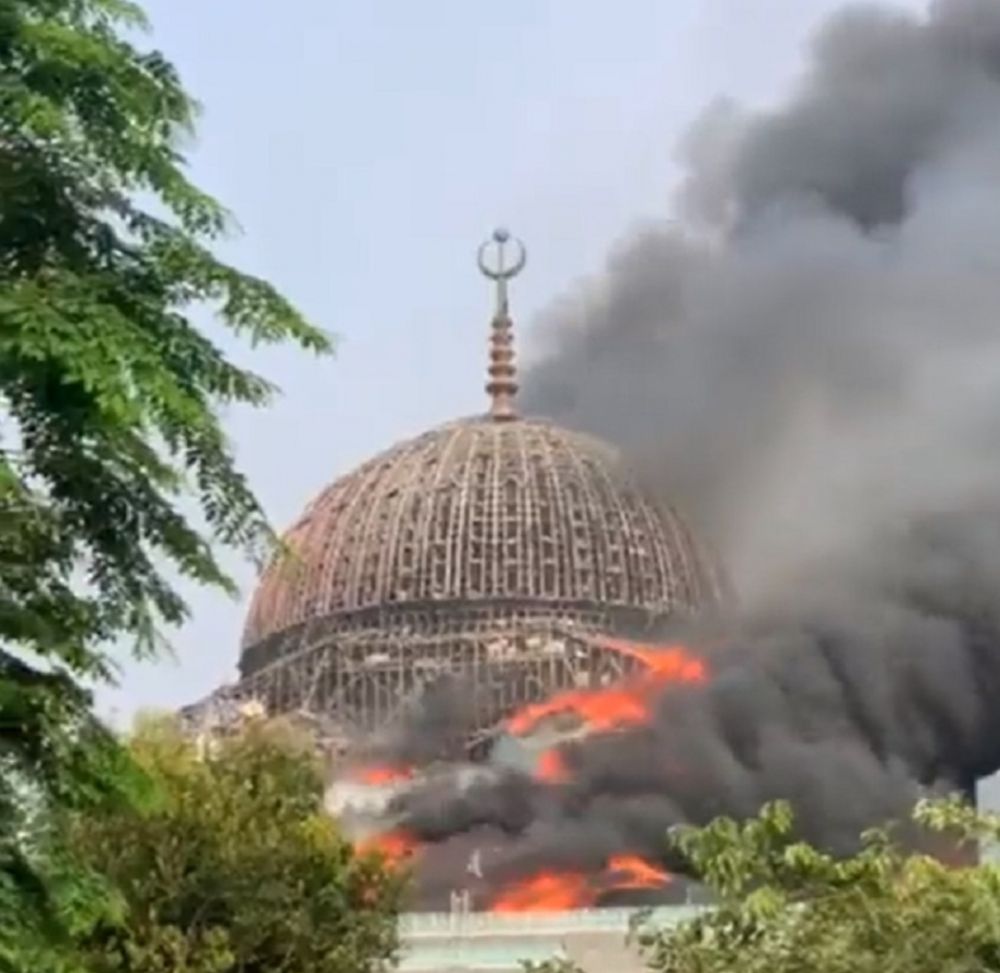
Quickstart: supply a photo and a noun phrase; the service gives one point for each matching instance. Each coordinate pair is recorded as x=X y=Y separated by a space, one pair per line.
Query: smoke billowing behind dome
x=810 y=351
x=807 y=362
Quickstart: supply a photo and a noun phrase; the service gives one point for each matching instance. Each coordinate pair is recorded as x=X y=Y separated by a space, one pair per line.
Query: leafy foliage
x=782 y=906
x=45 y=897
x=782 y=902
x=238 y=868
x=108 y=395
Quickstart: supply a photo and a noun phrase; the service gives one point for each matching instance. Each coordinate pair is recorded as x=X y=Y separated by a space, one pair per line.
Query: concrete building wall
x=598 y=940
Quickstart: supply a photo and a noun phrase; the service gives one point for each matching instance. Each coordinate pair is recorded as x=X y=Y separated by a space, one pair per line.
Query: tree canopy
x=783 y=906
x=108 y=399
x=237 y=867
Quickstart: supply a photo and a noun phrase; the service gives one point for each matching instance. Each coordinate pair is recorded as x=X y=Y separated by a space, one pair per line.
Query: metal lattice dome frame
x=476 y=546
x=494 y=549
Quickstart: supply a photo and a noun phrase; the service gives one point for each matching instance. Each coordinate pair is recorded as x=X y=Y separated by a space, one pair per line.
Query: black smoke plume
x=807 y=361
x=809 y=351
x=851 y=705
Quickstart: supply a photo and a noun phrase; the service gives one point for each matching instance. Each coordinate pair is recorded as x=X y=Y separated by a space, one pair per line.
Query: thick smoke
x=810 y=352
x=851 y=706
x=806 y=361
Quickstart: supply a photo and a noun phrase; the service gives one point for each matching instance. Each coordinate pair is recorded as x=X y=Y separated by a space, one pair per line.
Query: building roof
x=483 y=510
x=495 y=508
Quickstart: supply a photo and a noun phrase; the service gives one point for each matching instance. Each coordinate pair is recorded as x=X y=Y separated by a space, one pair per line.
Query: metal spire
x=502 y=385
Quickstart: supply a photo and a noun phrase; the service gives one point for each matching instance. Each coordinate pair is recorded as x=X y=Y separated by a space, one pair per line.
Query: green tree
x=238 y=867
x=783 y=906
x=108 y=398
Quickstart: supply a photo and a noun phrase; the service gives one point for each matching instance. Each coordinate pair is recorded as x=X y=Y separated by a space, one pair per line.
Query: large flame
x=628 y=703
x=547 y=892
x=624 y=704
x=560 y=891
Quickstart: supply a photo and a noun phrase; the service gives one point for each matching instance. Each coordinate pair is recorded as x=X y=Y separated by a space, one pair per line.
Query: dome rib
x=481 y=512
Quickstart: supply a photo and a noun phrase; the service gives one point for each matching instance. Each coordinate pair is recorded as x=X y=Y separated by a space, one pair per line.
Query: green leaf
x=109 y=396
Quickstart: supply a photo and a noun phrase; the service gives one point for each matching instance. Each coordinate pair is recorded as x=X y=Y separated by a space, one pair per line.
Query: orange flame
x=551 y=768
x=600 y=709
x=394 y=846
x=666 y=663
x=561 y=891
x=547 y=892
x=631 y=872
x=625 y=704
x=379 y=775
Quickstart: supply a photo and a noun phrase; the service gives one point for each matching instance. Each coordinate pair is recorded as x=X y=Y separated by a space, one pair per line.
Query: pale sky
x=368 y=146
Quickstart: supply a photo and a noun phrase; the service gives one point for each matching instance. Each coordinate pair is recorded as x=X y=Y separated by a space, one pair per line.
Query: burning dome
x=517 y=518
x=495 y=548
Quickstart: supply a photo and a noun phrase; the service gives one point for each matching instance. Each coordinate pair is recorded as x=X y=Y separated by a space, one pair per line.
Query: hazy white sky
x=367 y=146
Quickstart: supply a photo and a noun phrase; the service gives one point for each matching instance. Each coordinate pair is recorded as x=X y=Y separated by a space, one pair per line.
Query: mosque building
x=501 y=552
x=497 y=549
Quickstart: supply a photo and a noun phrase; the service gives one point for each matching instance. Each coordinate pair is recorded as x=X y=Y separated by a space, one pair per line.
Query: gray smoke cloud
x=806 y=361
x=810 y=350
x=850 y=704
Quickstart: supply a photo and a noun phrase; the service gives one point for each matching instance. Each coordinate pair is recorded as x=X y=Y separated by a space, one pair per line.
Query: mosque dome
x=488 y=528
x=482 y=512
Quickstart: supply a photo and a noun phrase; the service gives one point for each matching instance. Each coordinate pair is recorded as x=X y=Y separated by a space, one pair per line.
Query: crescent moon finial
x=500 y=270
x=502 y=384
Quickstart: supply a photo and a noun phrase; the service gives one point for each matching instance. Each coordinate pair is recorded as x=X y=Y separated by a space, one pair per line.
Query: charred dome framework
x=494 y=550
